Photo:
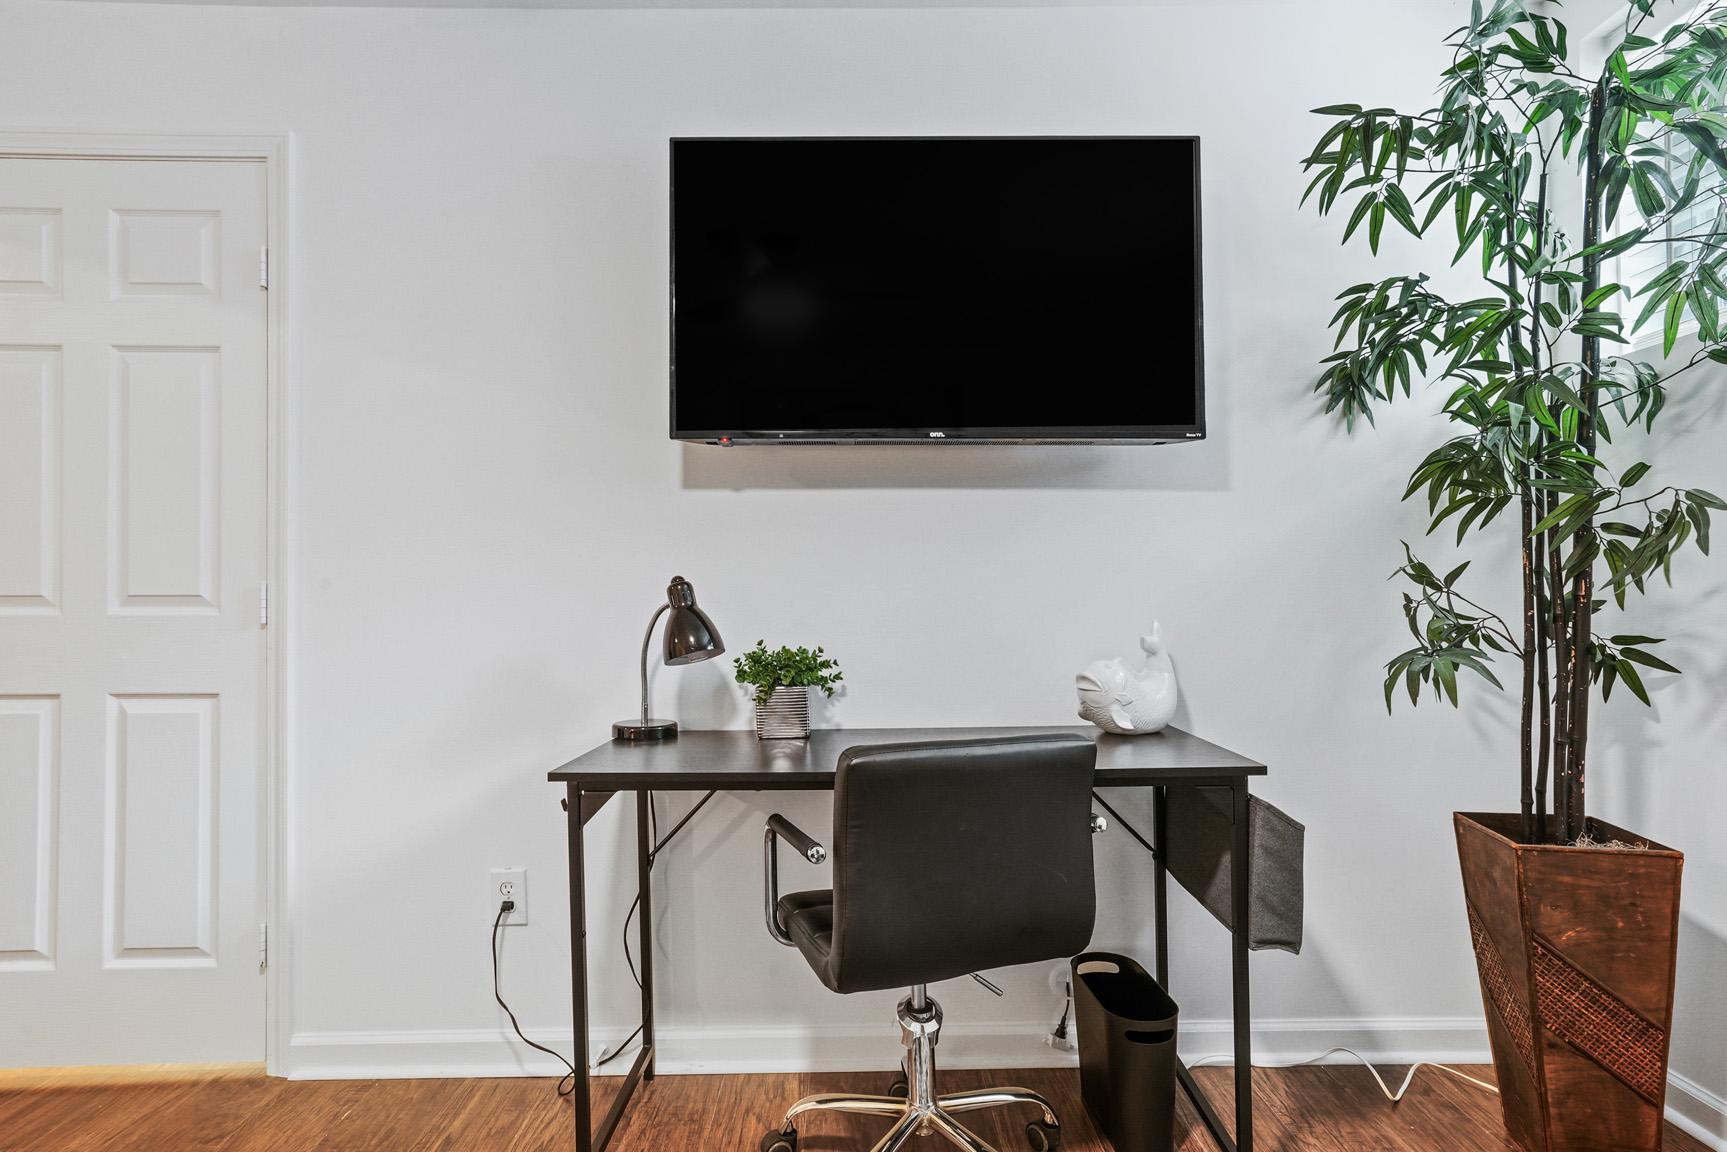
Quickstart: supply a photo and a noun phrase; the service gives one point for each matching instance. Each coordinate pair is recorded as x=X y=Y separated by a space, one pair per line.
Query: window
x=1676 y=239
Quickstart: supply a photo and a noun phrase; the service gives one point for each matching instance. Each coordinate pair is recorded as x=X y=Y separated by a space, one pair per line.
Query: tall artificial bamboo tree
x=1533 y=395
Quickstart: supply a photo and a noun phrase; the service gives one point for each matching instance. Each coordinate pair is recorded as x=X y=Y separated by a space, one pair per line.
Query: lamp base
x=634 y=730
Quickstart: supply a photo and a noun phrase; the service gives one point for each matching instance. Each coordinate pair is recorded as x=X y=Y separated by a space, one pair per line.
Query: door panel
x=133 y=402
x=29 y=480
x=30 y=782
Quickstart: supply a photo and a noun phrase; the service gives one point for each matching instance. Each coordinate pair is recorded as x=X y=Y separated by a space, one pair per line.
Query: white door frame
x=274 y=151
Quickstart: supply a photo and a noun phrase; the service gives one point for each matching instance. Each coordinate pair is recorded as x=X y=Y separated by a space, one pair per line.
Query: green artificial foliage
x=785 y=668
x=1538 y=364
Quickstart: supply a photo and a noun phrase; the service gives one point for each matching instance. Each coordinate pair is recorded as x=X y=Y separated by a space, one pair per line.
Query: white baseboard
x=1697 y=1111
x=802 y=1048
x=681 y=1051
x=805 y=1048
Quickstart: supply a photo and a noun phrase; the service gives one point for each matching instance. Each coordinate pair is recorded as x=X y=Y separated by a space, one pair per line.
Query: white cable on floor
x=1394 y=1097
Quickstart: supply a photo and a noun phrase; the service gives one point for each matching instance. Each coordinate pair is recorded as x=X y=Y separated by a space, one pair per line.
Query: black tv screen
x=917 y=289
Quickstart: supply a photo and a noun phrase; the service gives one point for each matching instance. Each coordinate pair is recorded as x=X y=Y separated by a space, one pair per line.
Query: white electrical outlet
x=511 y=884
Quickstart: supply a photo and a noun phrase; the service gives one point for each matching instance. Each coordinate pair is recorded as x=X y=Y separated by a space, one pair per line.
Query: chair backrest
x=956 y=856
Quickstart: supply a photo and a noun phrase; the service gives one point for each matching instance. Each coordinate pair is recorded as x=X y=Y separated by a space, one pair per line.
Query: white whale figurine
x=1119 y=699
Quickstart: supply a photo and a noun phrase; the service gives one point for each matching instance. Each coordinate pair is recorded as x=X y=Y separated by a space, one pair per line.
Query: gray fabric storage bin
x=1197 y=843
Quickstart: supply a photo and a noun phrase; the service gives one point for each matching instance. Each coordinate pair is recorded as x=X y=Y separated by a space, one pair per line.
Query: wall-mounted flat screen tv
x=847 y=289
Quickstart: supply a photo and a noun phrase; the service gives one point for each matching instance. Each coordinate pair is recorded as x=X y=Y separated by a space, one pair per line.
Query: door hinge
x=263 y=947
x=263 y=605
x=264 y=267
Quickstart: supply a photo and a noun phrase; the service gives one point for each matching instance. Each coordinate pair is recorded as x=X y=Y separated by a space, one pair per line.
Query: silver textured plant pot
x=786 y=715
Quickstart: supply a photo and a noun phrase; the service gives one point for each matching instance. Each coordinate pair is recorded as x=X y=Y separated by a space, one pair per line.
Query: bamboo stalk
x=1544 y=508
x=1525 y=501
x=1543 y=692
x=1527 y=767
x=1561 y=672
x=1582 y=584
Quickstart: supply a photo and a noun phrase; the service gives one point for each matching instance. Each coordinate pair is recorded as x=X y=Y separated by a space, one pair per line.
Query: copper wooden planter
x=1575 y=948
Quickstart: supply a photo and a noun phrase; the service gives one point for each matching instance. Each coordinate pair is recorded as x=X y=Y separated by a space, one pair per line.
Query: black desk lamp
x=690 y=636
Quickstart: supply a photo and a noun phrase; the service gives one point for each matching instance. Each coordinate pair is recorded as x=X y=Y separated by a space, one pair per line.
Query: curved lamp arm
x=648 y=639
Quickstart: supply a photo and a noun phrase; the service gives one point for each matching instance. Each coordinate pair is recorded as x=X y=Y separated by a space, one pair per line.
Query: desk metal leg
x=1160 y=882
x=1238 y=941
x=581 y=808
x=579 y=973
x=1238 y=945
x=645 y=922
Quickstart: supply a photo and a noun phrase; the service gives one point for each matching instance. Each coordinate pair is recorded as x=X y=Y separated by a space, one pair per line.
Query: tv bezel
x=1111 y=435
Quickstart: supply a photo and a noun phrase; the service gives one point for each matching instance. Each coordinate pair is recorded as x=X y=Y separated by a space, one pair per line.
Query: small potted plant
x=782 y=680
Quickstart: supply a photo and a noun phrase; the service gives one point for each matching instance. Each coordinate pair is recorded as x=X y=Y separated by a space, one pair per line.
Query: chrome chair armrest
x=797 y=838
x=778 y=828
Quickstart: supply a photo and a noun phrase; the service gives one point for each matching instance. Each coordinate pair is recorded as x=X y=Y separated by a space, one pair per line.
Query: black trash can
x=1127 y=1025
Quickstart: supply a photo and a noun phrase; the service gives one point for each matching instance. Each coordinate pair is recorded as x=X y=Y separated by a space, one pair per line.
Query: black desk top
x=736 y=759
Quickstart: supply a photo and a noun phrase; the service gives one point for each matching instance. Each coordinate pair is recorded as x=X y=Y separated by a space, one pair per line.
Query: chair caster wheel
x=899 y=1087
x=1043 y=1137
x=778 y=1141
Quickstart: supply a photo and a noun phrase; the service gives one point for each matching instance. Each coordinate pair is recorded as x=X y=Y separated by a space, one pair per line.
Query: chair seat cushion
x=808 y=918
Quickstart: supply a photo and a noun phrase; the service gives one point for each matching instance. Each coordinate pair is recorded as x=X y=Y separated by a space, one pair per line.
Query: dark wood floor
x=1330 y=1109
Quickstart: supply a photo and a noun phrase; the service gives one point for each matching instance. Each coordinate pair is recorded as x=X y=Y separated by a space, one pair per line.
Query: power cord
x=1061 y=1039
x=1394 y=1097
x=607 y=1055
x=567 y=1083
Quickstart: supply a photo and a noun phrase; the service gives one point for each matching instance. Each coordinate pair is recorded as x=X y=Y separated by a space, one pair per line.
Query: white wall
x=489 y=507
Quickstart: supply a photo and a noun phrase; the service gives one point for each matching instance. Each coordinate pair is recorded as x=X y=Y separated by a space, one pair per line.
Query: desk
x=737 y=761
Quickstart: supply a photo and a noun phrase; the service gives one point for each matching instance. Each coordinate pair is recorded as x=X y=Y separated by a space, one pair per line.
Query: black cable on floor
x=567 y=1083
x=610 y=1056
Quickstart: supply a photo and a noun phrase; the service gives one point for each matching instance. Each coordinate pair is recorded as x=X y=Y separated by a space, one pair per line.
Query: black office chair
x=949 y=857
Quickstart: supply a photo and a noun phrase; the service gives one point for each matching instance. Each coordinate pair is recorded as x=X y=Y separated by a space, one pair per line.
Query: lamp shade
x=690 y=635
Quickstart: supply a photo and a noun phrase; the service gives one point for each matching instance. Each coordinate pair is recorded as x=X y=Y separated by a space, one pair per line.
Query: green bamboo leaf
x=1357 y=217
x=1447 y=674
x=1704 y=141
x=1707 y=311
x=1616 y=64
x=1647 y=194
x=1675 y=315
x=1561 y=513
x=1711 y=277
x=1637 y=656
x=1605 y=292
x=1628 y=673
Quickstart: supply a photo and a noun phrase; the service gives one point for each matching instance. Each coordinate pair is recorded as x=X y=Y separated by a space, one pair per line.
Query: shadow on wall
x=1199 y=467
x=1698 y=1052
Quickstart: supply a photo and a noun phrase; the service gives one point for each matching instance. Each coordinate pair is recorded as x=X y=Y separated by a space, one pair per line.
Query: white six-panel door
x=133 y=385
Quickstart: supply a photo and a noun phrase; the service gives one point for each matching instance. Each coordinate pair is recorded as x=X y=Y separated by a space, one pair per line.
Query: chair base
x=921 y=1111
